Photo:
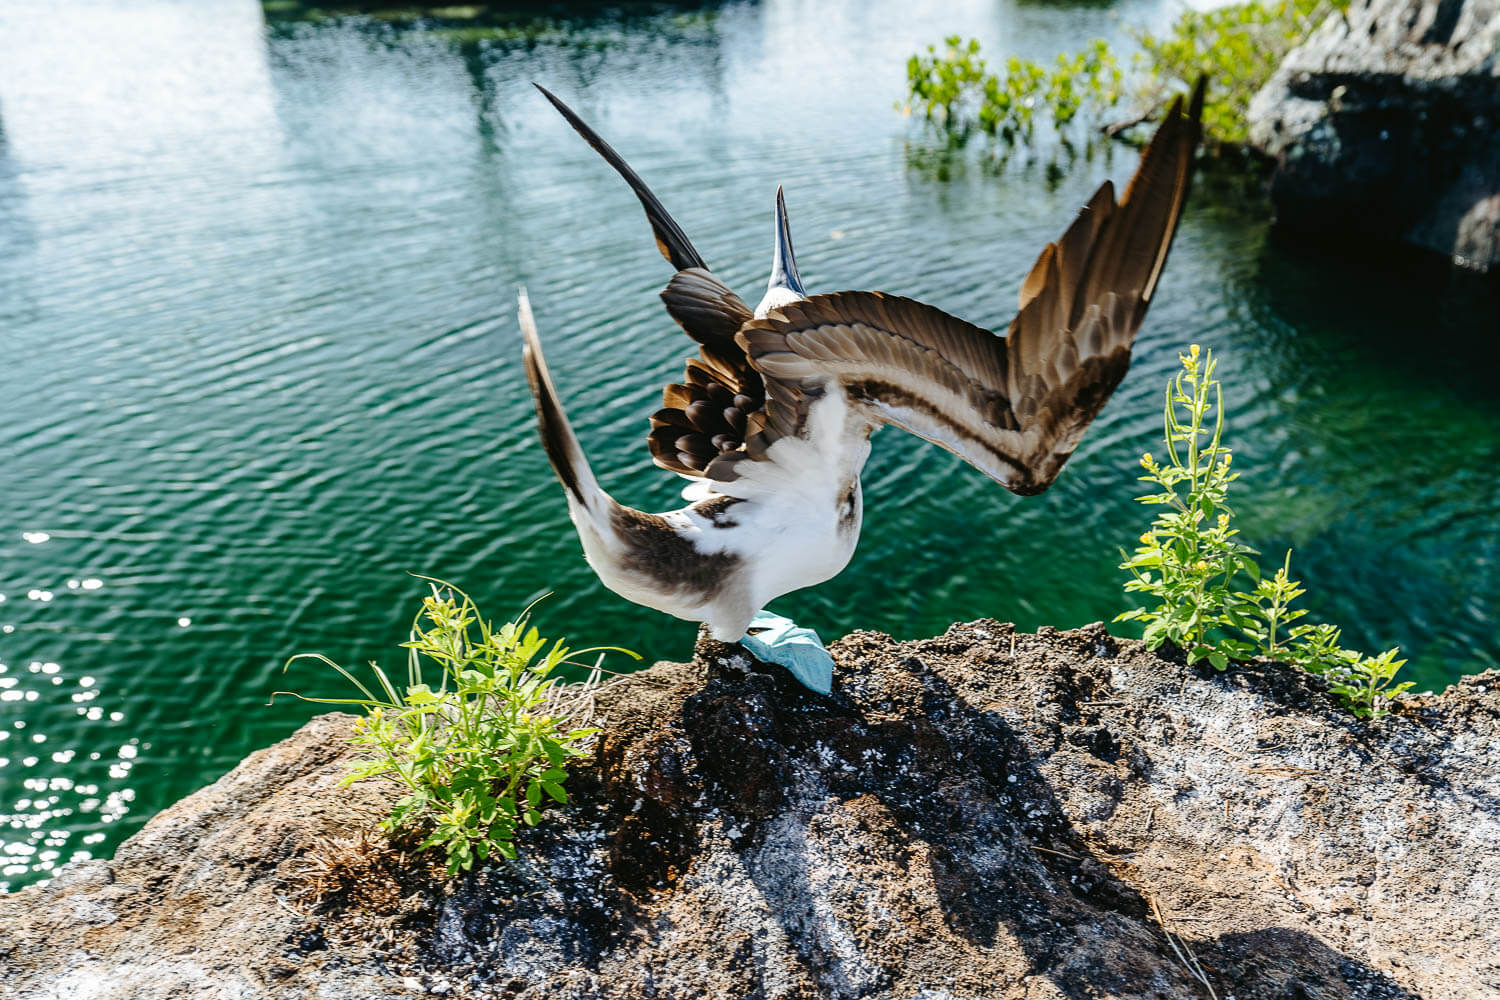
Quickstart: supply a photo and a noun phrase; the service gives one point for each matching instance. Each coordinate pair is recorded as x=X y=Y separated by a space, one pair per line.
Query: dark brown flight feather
x=1013 y=406
x=670 y=239
x=704 y=415
x=557 y=436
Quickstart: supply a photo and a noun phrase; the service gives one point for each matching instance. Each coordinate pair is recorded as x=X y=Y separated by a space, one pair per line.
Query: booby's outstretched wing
x=704 y=415
x=1014 y=406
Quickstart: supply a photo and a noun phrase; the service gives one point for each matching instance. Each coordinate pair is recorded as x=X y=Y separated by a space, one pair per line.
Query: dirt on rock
x=984 y=814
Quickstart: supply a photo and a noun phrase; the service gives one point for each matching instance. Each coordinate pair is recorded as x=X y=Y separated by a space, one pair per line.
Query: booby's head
x=785 y=285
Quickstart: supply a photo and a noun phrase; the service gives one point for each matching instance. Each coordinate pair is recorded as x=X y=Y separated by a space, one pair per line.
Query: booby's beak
x=784 y=262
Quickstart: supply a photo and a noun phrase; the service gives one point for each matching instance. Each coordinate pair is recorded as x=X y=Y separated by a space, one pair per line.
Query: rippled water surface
x=256 y=286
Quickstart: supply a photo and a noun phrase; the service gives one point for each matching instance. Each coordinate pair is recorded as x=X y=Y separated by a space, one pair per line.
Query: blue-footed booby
x=772 y=422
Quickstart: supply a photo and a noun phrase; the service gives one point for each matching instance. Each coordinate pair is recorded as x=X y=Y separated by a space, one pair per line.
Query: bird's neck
x=775 y=298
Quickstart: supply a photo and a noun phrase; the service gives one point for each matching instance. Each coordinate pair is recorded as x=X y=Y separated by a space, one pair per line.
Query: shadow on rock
x=979 y=815
x=902 y=829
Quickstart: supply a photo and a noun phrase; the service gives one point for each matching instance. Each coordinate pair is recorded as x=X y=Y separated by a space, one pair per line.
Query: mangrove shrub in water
x=1237 y=47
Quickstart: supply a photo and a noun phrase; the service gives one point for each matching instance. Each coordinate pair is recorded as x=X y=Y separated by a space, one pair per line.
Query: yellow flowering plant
x=1190 y=558
x=1191 y=562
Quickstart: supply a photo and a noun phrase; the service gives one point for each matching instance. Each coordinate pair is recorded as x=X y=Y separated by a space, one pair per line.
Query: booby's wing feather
x=670 y=239
x=704 y=415
x=1014 y=406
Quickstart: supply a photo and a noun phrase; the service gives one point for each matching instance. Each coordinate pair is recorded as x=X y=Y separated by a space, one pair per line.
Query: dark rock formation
x=979 y=815
x=1386 y=123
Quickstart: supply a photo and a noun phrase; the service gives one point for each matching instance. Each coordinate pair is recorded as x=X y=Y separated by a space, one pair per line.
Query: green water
x=256 y=289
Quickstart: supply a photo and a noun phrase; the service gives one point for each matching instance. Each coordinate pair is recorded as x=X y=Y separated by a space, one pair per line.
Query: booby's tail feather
x=562 y=446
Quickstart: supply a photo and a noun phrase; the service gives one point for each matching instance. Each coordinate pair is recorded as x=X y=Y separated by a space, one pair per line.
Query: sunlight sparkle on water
x=53 y=811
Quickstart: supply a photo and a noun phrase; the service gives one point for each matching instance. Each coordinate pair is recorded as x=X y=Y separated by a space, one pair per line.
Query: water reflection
x=123 y=129
x=1380 y=500
x=1311 y=287
x=16 y=234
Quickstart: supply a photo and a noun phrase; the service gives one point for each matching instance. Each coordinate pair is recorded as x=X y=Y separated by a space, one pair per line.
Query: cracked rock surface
x=984 y=814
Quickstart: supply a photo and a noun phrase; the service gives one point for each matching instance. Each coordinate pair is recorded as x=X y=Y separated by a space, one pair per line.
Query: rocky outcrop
x=1386 y=123
x=979 y=815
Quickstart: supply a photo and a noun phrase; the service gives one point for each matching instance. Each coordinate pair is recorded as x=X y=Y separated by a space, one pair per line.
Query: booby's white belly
x=785 y=543
x=791 y=522
x=767 y=547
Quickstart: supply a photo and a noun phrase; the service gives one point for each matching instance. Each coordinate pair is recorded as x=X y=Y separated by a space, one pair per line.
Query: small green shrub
x=1272 y=600
x=1362 y=683
x=1196 y=570
x=479 y=754
x=1238 y=47
x=957 y=91
x=1189 y=559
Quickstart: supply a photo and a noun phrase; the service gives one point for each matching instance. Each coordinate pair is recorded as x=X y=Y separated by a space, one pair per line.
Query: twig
x=1101 y=703
x=1070 y=857
x=1113 y=129
x=1110 y=856
x=1183 y=950
x=289 y=908
x=645 y=677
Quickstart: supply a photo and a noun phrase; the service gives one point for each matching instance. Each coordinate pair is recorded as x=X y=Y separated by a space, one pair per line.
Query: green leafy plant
x=939 y=83
x=1190 y=558
x=1238 y=47
x=1273 y=609
x=956 y=89
x=1362 y=683
x=479 y=754
x=1210 y=598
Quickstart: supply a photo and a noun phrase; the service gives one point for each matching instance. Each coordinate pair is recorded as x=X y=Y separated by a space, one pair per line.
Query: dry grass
x=575 y=705
x=362 y=872
x=1184 y=951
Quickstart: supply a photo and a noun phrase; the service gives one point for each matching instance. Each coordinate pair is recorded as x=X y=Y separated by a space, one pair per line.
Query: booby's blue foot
x=778 y=640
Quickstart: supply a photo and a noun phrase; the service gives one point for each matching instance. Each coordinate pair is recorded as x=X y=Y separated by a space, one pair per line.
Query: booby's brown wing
x=1014 y=406
x=704 y=415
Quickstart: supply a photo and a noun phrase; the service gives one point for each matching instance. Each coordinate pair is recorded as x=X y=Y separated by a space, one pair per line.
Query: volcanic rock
x=1386 y=123
x=984 y=814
